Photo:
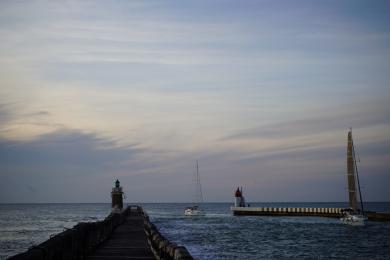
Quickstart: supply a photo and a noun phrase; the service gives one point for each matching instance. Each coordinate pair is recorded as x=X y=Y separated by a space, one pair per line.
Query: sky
x=262 y=93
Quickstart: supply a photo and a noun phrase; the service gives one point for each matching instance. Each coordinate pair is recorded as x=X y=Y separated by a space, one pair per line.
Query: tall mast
x=199 y=195
x=357 y=177
x=351 y=166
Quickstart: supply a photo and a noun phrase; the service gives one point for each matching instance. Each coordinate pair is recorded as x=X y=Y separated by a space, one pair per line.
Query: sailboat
x=195 y=209
x=353 y=215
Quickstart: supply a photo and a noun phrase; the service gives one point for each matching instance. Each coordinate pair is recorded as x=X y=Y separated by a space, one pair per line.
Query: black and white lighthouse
x=117 y=198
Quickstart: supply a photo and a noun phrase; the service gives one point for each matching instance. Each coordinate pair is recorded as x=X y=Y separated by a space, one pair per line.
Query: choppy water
x=217 y=235
x=25 y=225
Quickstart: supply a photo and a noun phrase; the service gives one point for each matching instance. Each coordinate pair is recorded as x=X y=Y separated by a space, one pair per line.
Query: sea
x=217 y=235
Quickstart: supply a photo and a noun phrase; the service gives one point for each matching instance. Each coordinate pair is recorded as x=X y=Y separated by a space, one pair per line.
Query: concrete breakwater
x=92 y=240
x=276 y=211
x=315 y=212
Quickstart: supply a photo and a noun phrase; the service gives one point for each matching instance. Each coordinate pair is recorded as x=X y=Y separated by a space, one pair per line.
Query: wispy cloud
x=365 y=115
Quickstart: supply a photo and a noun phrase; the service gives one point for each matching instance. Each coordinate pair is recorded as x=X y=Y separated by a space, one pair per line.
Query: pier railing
x=161 y=247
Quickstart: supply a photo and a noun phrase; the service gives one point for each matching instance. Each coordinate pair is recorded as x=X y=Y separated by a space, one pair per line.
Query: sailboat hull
x=192 y=211
x=354 y=220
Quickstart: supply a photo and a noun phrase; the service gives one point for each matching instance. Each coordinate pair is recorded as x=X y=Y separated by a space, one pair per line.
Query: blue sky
x=262 y=93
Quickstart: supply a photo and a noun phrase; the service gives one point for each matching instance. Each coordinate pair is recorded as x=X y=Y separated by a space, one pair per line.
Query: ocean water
x=217 y=235
x=25 y=225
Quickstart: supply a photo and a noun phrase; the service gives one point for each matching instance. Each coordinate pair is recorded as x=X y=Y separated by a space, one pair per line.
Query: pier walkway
x=128 y=241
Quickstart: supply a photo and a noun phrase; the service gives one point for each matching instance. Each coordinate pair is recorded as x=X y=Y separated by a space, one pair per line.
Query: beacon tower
x=239 y=198
x=117 y=198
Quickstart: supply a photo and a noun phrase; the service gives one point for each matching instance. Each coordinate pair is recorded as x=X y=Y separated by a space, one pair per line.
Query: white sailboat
x=353 y=215
x=195 y=209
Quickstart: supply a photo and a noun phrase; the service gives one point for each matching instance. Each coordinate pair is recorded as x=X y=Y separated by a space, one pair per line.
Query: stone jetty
x=124 y=234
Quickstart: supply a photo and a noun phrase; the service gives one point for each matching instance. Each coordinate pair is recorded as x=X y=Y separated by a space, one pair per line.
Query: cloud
x=53 y=162
x=73 y=166
x=65 y=148
x=5 y=113
x=316 y=122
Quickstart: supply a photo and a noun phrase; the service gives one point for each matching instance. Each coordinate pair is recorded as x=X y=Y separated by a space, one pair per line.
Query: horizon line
x=213 y=202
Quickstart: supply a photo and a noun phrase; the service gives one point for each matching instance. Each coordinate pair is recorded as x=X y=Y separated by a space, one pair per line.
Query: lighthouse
x=117 y=198
x=239 y=198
